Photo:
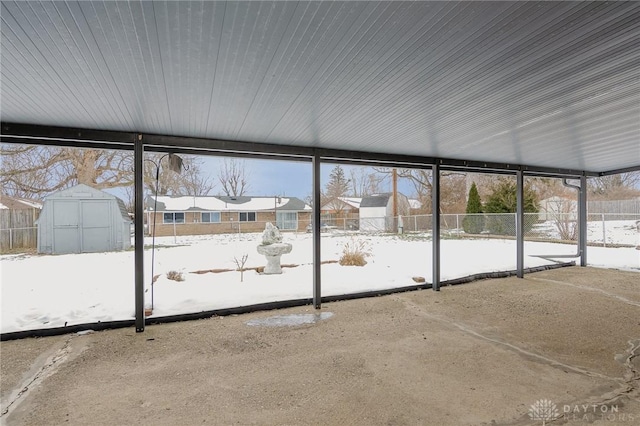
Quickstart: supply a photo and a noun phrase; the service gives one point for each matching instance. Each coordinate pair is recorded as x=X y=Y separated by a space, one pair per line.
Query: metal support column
x=138 y=168
x=435 y=227
x=315 y=224
x=520 y=224
x=582 y=219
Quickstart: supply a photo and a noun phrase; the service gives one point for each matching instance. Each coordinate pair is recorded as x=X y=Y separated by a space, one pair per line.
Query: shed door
x=96 y=225
x=66 y=230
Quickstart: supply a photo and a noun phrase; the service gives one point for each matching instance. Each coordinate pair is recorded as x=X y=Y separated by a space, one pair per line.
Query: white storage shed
x=376 y=212
x=82 y=219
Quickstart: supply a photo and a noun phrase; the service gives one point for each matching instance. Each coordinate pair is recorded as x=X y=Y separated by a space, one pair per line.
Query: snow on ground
x=51 y=291
x=610 y=231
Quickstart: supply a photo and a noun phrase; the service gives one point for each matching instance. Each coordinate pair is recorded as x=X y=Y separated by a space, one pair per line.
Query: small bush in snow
x=354 y=253
x=240 y=264
x=175 y=276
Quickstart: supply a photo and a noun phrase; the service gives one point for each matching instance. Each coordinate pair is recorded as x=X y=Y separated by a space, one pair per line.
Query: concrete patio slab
x=475 y=354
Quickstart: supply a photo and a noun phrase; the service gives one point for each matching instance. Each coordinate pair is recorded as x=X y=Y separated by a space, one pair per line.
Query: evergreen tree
x=503 y=199
x=338 y=185
x=473 y=222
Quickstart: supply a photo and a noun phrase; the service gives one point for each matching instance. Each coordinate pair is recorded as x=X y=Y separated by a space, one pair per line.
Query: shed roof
x=545 y=84
x=377 y=200
x=86 y=192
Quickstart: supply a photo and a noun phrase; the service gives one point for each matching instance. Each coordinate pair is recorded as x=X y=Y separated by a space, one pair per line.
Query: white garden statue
x=272 y=248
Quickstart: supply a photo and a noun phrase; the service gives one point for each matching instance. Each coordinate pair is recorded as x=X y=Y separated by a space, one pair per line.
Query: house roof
x=414 y=204
x=352 y=201
x=12 y=203
x=377 y=200
x=349 y=202
x=226 y=203
x=534 y=83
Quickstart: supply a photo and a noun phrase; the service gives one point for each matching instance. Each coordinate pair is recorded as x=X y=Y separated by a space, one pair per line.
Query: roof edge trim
x=618 y=171
x=106 y=139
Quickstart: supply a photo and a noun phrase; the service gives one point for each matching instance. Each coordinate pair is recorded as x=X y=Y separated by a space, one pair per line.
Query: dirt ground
x=474 y=354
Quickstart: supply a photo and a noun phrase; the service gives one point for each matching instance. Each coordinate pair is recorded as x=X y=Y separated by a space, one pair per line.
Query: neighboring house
x=556 y=208
x=189 y=215
x=341 y=207
x=18 y=222
x=83 y=219
x=415 y=207
x=376 y=212
x=13 y=203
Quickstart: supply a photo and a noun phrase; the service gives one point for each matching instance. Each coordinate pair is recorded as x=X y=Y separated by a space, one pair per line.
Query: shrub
x=175 y=276
x=567 y=228
x=354 y=253
x=473 y=222
x=503 y=199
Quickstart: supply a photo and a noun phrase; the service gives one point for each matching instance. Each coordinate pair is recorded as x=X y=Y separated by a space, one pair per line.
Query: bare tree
x=365 y=182
x=452 y=188
x=36 y=171
x=549 y=187
x=191 y=181
x=619 y=186
x=234 y=177
x=240 y=265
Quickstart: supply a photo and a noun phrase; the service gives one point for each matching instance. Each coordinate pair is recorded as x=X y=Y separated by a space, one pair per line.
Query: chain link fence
x=607 y=229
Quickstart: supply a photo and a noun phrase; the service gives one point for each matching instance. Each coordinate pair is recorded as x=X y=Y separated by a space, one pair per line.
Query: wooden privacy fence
x=18 y=229
x=630 y=208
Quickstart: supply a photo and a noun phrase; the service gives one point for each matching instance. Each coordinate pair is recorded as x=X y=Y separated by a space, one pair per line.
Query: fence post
x=415 y=223
x=175 y=238
x=10 y=239
x=604 y=232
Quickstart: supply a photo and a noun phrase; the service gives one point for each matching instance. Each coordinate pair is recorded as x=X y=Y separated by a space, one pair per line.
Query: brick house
x=189 y=215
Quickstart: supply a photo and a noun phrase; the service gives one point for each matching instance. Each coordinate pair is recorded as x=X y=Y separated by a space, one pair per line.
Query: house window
x=287 y=220
x=247 y=217
x=210 y=217
x=173 y=218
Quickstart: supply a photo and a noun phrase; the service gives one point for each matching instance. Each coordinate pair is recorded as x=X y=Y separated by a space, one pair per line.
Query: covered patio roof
x=547 y=85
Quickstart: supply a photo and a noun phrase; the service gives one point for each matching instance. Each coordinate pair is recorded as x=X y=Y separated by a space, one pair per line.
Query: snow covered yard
x=51 y=291
x=616 y=232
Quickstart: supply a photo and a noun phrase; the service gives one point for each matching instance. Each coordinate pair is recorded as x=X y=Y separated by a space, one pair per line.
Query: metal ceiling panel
x=548 y=84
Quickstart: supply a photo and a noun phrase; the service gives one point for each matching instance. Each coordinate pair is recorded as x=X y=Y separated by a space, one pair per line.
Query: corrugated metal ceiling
x=549 y=84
